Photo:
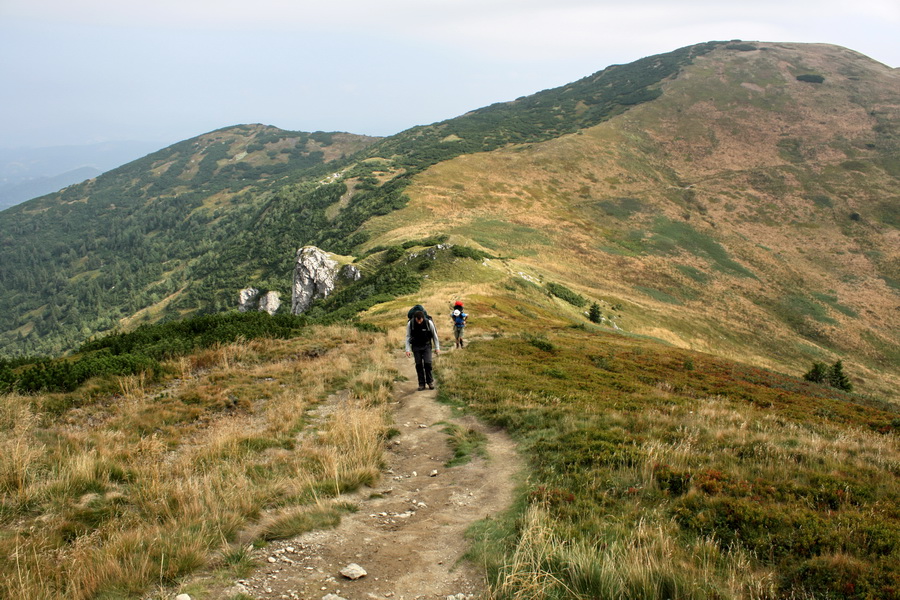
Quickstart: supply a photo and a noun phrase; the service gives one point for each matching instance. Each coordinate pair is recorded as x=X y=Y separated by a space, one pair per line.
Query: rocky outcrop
x=270 y=302
x=351 y=273
x=247 y=299
x=314 y=277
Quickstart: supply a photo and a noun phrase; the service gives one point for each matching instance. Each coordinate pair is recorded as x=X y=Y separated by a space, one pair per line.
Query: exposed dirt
x=408 y=533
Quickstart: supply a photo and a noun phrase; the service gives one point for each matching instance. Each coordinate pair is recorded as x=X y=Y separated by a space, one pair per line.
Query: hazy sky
x=81 y=71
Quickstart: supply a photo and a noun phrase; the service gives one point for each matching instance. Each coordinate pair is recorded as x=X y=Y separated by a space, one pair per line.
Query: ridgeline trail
x=408 y=533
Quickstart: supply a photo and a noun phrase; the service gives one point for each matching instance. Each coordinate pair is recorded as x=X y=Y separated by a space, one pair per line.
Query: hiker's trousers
x=422 y=355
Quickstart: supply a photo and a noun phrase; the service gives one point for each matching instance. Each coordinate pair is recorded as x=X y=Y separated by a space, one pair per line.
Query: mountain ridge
x=656 y=187
x=643 y=293
x=775 y=199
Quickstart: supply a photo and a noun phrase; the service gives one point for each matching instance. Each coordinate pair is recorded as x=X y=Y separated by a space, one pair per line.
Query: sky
x=86 y=71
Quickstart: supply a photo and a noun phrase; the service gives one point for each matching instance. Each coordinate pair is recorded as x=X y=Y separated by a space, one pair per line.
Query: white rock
x=270 y=302
x=237 y=588
x=272 y=559
x=434 y=473
x=353 y=571
x=351 y=272
x=183 y=597
x=246 y=298
x=314 y=277
x=331 y=597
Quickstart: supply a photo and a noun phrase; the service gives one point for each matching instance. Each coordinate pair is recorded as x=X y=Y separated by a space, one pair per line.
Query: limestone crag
x=351 y=273
x=270 y=302
x=314 y=277
x=247 y=299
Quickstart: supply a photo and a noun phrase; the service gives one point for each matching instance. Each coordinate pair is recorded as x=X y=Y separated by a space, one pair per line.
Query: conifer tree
x=837 y=378
x=594 y=313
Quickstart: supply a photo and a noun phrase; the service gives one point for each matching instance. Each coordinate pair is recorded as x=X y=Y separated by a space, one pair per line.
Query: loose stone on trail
x=353 y=571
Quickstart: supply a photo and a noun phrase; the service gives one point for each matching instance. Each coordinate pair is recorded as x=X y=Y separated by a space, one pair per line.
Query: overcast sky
x=82 y=71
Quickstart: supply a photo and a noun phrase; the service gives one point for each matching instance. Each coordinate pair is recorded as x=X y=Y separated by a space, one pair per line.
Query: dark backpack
x=412 y=311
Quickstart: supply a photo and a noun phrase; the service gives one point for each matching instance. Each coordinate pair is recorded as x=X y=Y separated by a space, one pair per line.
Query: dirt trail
x=408 y=533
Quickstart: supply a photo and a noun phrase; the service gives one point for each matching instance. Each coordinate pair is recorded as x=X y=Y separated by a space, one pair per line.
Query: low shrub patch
x=771 y=475
x=561 y=291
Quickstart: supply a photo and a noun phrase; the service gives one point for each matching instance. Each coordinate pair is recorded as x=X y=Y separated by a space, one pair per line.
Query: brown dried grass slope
x=142 y=483
x=745 y=212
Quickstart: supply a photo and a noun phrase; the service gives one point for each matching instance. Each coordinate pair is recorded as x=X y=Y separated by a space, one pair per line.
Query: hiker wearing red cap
x=459 y=318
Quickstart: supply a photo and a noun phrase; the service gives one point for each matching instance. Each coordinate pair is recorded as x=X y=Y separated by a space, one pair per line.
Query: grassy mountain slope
x=653 y=471
x=664 y=459
x=145 y=239
x=227 y=209
x=728 y=197
x=743 y=212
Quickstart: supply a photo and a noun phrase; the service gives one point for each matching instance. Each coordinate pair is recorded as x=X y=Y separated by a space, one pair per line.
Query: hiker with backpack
x=459 y=317
x=420 y=335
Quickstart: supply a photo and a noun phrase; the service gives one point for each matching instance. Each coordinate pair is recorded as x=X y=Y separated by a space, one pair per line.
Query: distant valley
x=27 y=173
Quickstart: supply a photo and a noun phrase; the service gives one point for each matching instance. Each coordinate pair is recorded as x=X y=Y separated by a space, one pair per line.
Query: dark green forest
x=183 y=229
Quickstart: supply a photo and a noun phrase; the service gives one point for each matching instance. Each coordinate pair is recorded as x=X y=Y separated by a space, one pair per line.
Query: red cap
x=458 y=303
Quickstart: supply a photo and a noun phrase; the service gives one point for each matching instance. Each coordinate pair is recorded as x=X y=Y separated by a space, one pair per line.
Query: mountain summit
x=733 y=197
x=750 y=209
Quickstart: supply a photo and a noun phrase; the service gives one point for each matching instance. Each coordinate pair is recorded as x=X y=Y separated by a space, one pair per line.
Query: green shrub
x=817 y=374
x=671 y=481
x=541 y=343
x=811 y=78
x=564 y=293
x=393 y=254
x=432 y=241
x=466 y=252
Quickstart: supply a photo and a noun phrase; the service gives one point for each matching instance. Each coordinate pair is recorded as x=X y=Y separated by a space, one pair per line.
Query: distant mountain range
x=27 y=173
x=735 y=198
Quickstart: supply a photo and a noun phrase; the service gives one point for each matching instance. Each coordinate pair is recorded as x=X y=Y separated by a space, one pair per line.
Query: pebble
x=353 y=571
x=182 y=597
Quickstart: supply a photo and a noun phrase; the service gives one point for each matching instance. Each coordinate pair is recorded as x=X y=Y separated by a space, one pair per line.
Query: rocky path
x=408 y=534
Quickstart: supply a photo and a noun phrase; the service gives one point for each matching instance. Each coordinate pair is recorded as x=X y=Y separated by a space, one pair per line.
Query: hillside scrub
x=145 y=482
x=660 y=473
x=178 y=231
x=141 y=350
x=833 y=375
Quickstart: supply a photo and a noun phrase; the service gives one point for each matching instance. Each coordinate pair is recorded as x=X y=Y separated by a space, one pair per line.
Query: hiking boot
x=421 y=387
x=430 y=386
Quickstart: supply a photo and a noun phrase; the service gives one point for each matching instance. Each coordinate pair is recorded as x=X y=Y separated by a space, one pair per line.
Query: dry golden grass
x=648 y=562
x=113 y=498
